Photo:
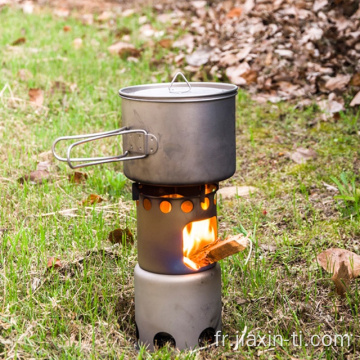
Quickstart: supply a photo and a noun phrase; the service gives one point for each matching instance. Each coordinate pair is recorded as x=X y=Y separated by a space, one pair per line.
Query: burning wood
x=219 y=249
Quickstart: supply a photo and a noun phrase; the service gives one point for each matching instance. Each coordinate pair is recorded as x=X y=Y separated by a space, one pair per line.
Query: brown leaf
x=355 y=80
x=331 y=259
x=67 y=28
x=338 y=82
x=120 y=48
x=78 y=177
x=35 y=177
x=301 y=155
x=199 y=57
x=356 y=100
x=77 y=43
x=54 y=263
x=341 y=279
x=44 y=165
x=250 y=76
x=24 y=74
x=234 y=73
x=234 y=12
x=36 y=96
x=116 y=236
x=165 y=43
x=92 y=199
x=19 y=41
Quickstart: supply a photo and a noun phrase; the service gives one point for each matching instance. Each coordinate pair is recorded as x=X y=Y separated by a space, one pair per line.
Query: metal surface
x=160 y=235
x=138 y=141
x=189 y=131
x=196 y=141
x=173 y=89
x=182 y=306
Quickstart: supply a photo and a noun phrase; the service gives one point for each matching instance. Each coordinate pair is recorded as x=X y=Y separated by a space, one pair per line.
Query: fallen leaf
x=355 y=80
x=120 y=47
x=230 y=192
x=24 y=74
x=53 y=263
x=165 y=43
x=28 y=7
x=36 y=96
x=78 y=177
x=234 y=73
x=116 y=236
x=234 y=12
x=186 y=42
x=77 y=43
x=67 y=28
x=199 y=57
x=19 y=41
x=341 y=279
x=330 y=106
x=284 y=53
x=268 y=247
x=301 y=155
x=35 y=177
x=62 y=12
x=330 y=187
x=43 y=166
x=356 y=100
x=338 y=82
x=331 y=259
x=92 y=199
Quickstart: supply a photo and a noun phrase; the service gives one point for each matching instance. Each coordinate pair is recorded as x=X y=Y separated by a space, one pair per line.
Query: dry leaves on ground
x=343 y=264
x=302 y=155
x=53 y=263
x=92 y=199
x=118 y=235
x=78 y=177
x=41 y=174
x=36 y=96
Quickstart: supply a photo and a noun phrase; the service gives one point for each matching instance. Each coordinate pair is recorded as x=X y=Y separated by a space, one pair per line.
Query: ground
x=67 y=290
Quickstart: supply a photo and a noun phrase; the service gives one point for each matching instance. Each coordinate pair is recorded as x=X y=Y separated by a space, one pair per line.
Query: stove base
x=183 y=310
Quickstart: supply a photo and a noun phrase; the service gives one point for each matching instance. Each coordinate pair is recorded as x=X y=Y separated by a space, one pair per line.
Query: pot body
x=196 y=141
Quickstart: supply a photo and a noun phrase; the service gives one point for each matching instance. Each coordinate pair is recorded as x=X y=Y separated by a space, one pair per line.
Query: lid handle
x=173 y=89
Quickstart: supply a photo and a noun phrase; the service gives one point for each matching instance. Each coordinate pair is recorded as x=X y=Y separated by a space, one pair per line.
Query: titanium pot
x=173 y=133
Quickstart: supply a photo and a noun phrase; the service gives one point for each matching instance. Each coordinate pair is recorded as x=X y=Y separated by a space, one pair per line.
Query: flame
x=196 y=235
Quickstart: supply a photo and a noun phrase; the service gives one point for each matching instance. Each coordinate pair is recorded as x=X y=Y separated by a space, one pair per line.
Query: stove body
x=178 y=143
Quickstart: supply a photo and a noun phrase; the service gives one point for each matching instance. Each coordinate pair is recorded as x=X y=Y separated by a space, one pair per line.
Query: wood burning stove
x=178 y=143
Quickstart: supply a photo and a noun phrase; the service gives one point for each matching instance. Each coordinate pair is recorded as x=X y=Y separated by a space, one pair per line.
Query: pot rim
x=179 y=92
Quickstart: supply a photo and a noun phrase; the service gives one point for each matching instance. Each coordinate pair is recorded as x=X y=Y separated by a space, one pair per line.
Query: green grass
x=85 y=309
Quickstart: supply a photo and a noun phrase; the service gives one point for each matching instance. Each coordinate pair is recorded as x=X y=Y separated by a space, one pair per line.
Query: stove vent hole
x=163 y=338
x=147 y=204
x=137 y=332
x=207 y=337
x=165 y=207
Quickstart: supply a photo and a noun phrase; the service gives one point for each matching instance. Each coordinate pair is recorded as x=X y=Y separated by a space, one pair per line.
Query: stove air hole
x=207 y=337
x=137 y=332
x=147 y=204
x=163 y=338
x=165 y=207
x=187 y=206
x=205 y=205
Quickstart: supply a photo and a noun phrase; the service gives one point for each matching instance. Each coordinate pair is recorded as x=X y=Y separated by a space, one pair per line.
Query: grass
x=85 y=308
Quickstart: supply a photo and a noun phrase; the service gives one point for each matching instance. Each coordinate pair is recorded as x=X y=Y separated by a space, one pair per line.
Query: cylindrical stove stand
x=183 y=310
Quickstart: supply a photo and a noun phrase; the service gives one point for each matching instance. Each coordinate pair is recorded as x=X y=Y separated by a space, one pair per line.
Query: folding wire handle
x=146 y=149
x=172 y=88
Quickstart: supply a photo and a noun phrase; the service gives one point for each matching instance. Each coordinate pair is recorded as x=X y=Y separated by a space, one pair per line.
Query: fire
x=196 y=235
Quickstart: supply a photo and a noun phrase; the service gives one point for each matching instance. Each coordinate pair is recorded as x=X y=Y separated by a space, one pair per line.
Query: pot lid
x=179 y=92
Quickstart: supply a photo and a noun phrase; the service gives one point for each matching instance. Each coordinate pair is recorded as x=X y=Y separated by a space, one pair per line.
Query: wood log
x=220 y=249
